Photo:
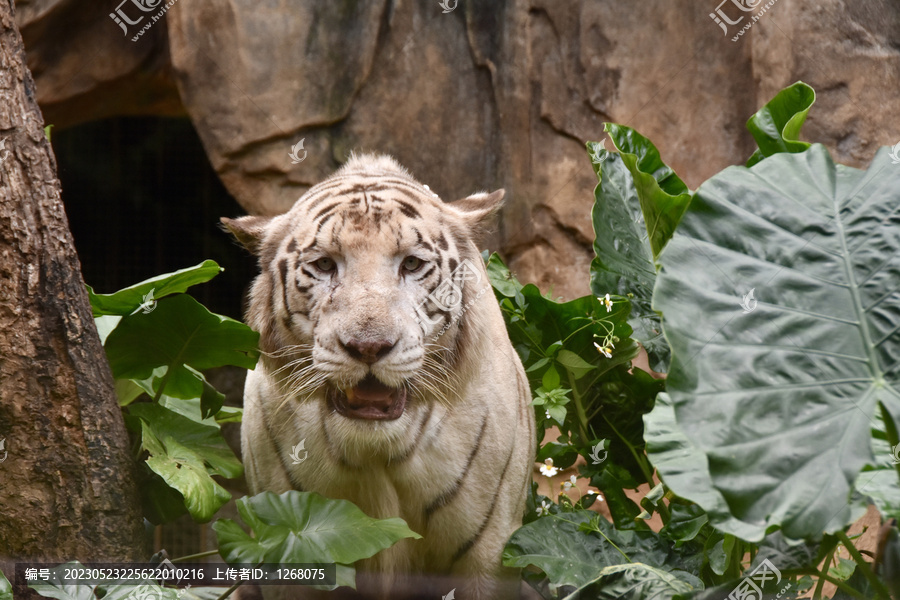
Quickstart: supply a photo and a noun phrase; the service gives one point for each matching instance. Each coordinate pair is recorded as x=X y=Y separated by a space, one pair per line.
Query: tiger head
x=368 y=287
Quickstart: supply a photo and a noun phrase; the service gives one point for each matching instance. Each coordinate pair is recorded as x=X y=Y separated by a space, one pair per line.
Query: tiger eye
x=325 y=264
x=412 y=263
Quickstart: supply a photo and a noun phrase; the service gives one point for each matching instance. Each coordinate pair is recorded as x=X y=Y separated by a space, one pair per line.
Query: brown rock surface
x=85 y=67
x=493 y=94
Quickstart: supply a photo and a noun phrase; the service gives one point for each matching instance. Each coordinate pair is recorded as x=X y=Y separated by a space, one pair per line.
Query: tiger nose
x=368 y=351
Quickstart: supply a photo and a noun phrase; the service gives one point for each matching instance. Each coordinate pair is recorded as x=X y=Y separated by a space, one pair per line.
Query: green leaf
x=159 y=502
x=861 y=584
x=684 y=468
x=650 y=502
x=776 y=126
x=211 y=400
x=185 y=471
x=304 y=527
x=624 y=397
x=574 y=548
x=624 y=262
x=501 y=279
x=179 y=333
x=557 y=413
x=138 y=296
x=633 y=582
x=555 y=545
x=105 y=324
x=189 y=408
x=563 y=455
x=614 y=480
x=550 y=380
x=229 y=414
x=5 y=588
x=889 y=557
x=574 y=363
x=127 y=391
x=185 y=453
x=718 y=558
x=779 y=397
x=64 y=591
x=843 y=569
x=879 y=481
x=780 y=551
x=686 y=522
x=663 y=196
x=204 y=440
x=537 y=365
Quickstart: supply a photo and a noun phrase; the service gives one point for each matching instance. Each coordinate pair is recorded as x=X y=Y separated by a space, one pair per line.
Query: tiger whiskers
x=304 y=378
x=436 y=379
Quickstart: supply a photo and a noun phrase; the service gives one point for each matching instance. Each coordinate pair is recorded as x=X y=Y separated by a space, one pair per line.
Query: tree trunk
x=67 y=485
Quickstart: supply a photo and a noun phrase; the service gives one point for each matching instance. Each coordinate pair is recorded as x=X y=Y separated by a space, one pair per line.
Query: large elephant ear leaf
x=662 y=195
x=623 y=262
x=776 y=126
x=780 y=301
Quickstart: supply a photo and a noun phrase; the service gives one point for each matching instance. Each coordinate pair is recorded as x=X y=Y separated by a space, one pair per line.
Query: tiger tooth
x=349 y=393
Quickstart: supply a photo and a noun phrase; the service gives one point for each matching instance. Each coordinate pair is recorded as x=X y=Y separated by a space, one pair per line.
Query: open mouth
x=369 y=399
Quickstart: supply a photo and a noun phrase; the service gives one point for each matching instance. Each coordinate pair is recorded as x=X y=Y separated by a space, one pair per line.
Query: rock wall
x=499 y=93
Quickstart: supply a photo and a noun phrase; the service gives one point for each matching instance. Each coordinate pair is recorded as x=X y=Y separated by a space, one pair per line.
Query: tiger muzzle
x=369 y=399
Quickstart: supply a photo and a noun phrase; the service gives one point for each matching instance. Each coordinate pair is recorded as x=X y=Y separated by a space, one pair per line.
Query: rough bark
x=67 y=487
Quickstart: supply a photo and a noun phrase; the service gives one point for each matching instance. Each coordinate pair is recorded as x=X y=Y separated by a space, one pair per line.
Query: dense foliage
x=769 y=298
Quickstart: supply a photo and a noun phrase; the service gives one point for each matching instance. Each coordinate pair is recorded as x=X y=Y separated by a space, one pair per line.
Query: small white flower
x=548 y=469
x=543 y=509
x=547 y=412
x=606 y=301
x=598 y=494
x=605 y=350
x=567 y=485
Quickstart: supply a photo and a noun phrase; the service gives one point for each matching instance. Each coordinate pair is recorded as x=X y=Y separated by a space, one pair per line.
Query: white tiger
x=385 y=351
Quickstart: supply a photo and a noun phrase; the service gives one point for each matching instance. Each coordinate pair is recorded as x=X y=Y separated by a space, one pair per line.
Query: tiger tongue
x=370 y=392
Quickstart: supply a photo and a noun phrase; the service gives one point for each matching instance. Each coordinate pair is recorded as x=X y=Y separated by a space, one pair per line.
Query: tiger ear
x=249 y=231
x=479 y=207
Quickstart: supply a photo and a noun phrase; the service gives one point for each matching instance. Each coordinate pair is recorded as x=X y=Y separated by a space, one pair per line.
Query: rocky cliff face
x=499 y=93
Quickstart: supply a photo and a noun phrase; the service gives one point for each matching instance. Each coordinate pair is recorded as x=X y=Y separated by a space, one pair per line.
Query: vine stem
x=863 y=565
x=841 y=585
x=817 y=594
x=579 y=407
